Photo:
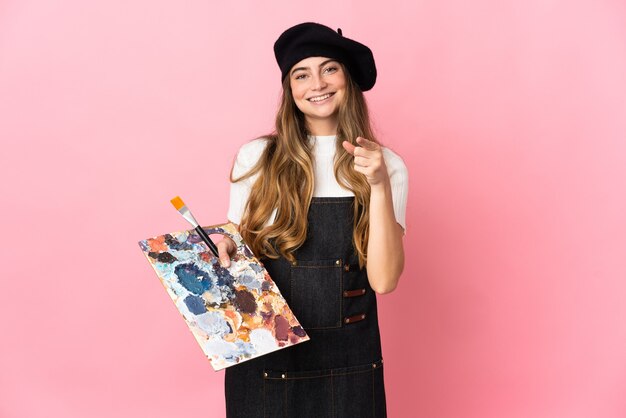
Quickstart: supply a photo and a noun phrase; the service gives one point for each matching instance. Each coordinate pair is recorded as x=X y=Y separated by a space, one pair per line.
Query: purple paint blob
x=282 y=328
x=194 y=238
x=299 y=331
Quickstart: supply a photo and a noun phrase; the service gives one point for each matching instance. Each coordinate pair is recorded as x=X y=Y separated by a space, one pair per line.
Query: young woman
x=322 y=204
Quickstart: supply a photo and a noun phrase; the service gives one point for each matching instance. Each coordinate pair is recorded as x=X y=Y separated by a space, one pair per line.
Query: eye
x=330 y=69
x=300 y=76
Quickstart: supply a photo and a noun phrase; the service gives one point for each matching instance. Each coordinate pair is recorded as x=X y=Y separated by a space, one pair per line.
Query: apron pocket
x=341 y=393
x=298 y=397
x=316 y=293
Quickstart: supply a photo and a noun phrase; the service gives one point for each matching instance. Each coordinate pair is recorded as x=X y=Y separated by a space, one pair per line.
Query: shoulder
x=252 y=150
x=249 y=154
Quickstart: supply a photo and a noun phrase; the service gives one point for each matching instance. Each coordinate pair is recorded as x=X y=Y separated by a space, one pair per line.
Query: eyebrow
x=306 y=68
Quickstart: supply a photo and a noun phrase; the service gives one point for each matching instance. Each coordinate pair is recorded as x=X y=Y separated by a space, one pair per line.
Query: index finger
x=366 y=143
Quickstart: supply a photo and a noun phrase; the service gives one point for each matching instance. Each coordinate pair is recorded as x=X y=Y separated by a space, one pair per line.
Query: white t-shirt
x=325 y=183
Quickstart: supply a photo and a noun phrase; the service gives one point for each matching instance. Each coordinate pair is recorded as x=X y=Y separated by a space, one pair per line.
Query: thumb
x=348 y=147
x=224 y=256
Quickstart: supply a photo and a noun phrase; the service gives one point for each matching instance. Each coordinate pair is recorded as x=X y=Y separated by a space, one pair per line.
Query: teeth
x=319 y=98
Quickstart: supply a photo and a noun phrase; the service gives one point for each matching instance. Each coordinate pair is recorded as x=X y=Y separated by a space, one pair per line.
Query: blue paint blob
x=193 y=278
x=195 y=304
x=256 y=267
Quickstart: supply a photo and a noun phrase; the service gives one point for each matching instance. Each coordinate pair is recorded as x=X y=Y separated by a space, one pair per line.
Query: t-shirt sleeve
x=247 y=157
x=399 y=179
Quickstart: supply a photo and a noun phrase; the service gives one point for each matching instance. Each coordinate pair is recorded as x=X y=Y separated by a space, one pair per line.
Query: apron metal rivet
x=283 y=376
x=374 y=365
x=265 y=374
x=363 y=316
x=338 y=262
x=294 y=263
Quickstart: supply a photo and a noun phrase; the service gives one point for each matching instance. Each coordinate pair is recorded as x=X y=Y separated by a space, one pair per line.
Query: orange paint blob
x=157 y=244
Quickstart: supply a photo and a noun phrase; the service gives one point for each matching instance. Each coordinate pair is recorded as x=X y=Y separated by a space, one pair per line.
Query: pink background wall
x=510 y=115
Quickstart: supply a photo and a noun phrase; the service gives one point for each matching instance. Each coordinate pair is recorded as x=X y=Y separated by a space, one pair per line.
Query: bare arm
x=385 y=250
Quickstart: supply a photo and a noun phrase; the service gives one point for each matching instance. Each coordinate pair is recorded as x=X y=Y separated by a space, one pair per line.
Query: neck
x=322 y=127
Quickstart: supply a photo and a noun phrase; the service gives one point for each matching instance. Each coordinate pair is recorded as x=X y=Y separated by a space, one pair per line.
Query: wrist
x=383 y=186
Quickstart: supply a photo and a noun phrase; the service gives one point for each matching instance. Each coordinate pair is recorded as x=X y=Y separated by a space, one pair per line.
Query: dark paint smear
x=245 y=302
x=266 y=285
x=193 y=278
x=174 y=244
x=281 y=328
x=195 y=304
x=163 y=257
x=299 y=331
x=224 y=278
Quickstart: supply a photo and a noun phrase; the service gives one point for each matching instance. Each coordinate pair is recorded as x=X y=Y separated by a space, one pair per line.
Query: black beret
x=314 y=40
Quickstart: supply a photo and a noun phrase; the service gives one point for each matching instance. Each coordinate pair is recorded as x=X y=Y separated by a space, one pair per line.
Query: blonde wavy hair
x=286 y=178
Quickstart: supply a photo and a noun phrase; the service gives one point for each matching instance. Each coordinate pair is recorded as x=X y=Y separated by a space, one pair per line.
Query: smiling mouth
x=320 y=98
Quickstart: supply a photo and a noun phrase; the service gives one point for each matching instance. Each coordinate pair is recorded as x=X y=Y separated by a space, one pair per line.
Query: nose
x=318 y=82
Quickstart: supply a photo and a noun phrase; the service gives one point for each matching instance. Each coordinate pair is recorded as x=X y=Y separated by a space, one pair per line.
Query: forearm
x=385 y=252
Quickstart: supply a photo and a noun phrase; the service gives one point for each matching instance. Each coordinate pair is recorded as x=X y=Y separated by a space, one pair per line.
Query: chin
x=322 y=114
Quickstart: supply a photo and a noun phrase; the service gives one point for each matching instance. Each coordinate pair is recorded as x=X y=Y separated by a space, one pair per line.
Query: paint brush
x=180 y=206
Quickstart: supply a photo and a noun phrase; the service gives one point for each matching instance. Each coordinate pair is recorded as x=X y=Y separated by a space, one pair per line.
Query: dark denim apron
x=339 y=372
